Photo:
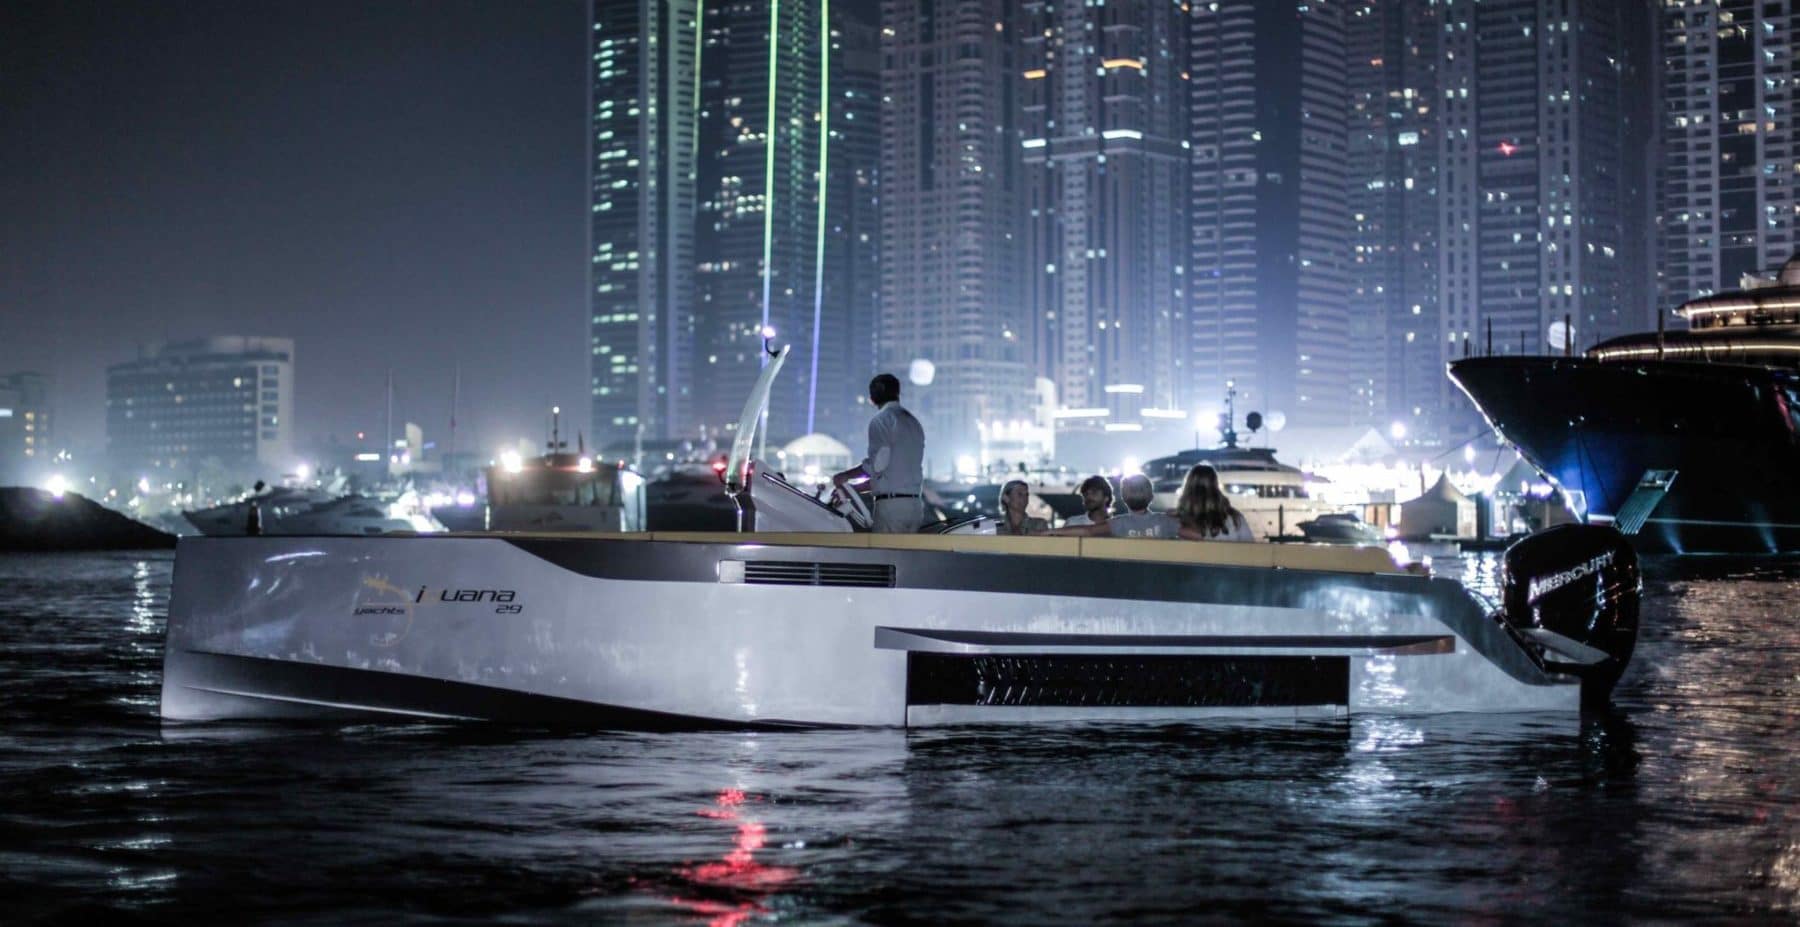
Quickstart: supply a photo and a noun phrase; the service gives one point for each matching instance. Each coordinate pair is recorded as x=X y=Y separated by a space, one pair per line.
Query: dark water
x=1679 y=805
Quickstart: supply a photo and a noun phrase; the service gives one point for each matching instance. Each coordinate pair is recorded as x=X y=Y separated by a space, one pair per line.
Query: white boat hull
x=671 y=634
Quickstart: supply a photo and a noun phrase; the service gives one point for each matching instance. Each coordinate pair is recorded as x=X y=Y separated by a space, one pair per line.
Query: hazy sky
x=393 y=184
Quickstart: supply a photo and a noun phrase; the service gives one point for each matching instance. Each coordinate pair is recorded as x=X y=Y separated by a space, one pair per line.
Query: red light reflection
x=737 y=872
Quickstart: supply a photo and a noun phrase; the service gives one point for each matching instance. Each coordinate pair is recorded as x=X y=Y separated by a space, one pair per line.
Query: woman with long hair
x=1205 y=513
x=1015 y=497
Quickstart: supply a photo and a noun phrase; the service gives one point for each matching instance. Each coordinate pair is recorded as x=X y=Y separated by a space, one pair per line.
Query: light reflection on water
x=1680 y=803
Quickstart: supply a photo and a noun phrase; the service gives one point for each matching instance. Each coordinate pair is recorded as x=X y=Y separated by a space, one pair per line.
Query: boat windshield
x=1267 y=491
x=557 y=487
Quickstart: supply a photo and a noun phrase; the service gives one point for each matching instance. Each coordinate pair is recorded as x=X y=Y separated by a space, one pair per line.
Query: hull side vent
x=1149 y=680
x=795 y=573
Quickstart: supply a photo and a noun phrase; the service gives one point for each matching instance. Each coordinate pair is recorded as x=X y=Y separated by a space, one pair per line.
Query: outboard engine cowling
x=1571 y=594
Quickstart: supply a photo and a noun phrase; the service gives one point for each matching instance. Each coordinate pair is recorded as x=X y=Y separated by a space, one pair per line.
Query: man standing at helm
x=895 y=467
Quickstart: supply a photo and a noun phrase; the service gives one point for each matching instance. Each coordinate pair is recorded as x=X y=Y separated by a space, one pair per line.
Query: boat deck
x=1319 y=557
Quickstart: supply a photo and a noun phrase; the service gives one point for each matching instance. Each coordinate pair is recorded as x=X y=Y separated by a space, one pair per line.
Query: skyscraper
x=215 y=409
x=953 y=319
x=25 y=426
x=1105 y=166
x=852 y=258
x=757 y=245
x=1730 y=199
x=641 y=150
x=1267 y=283
x=1392 y=189
x=1543 y=187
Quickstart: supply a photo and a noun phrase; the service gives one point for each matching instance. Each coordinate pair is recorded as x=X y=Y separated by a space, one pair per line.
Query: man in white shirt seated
x=1096 y=501
x=1138 y=521
x=895 y=467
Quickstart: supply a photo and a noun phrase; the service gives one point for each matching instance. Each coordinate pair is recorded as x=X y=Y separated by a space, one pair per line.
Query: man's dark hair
x=1097 y=482
x=884 y=388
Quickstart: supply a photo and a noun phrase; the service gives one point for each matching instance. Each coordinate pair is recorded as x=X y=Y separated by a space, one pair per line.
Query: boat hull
x=638 y=633
x=1598 y=427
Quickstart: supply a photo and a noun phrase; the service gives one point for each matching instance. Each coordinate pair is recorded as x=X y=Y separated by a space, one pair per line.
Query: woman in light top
x=1205 y=513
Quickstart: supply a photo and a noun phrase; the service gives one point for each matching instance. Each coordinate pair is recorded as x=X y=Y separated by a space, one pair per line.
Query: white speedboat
x=231 y=519
x=780 y=629
x=304 y=511
x=768 y=628
x=351 y=515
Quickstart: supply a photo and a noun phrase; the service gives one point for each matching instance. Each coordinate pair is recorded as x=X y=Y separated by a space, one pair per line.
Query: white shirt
x=896 y=461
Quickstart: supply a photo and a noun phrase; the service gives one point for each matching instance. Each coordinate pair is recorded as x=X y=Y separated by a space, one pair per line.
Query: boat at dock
x=1686 y=440
x=558 y=492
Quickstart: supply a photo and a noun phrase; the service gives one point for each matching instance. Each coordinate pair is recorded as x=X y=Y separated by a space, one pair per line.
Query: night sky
x=394 y=185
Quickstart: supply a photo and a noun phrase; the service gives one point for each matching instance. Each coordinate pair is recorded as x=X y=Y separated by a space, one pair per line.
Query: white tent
x=1443 y=511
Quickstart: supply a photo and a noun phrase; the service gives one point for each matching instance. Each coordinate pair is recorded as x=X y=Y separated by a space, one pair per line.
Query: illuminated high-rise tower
x=1544 y=124
x=1268 y=281
x=1392 y=194
x=1730 y=202
x=1106 y=175
x=641 y=146
x=953 y=319
x=852 y=258
x=763 y=154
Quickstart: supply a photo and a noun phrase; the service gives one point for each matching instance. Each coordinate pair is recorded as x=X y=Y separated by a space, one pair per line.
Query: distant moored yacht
x=1688 y=439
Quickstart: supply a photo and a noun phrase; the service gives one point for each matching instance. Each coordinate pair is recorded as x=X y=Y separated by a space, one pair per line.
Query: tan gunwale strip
x=1321 y=557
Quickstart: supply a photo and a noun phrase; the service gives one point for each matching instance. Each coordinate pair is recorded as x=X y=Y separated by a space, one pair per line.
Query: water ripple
x=1679 y=803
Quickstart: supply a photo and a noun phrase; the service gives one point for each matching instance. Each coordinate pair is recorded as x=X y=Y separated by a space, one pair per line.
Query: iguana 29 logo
x=393 y=608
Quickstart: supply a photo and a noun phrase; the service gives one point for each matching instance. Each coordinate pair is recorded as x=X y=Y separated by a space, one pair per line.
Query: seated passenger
x=1097 y=500
x=1138 y=521
x=1205 y=513
x=1015 y=496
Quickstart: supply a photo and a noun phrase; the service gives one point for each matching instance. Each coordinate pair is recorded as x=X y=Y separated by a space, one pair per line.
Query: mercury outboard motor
x=1570 y=593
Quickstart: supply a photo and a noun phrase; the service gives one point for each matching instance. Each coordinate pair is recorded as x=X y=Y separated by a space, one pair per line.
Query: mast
x=455 y=391
x=387 y=444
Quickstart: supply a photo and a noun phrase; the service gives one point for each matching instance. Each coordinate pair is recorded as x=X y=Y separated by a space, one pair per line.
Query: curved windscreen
x=754 y=405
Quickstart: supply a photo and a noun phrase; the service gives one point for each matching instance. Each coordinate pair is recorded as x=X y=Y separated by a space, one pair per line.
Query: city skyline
x=1367 y=187
x=410 y=201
